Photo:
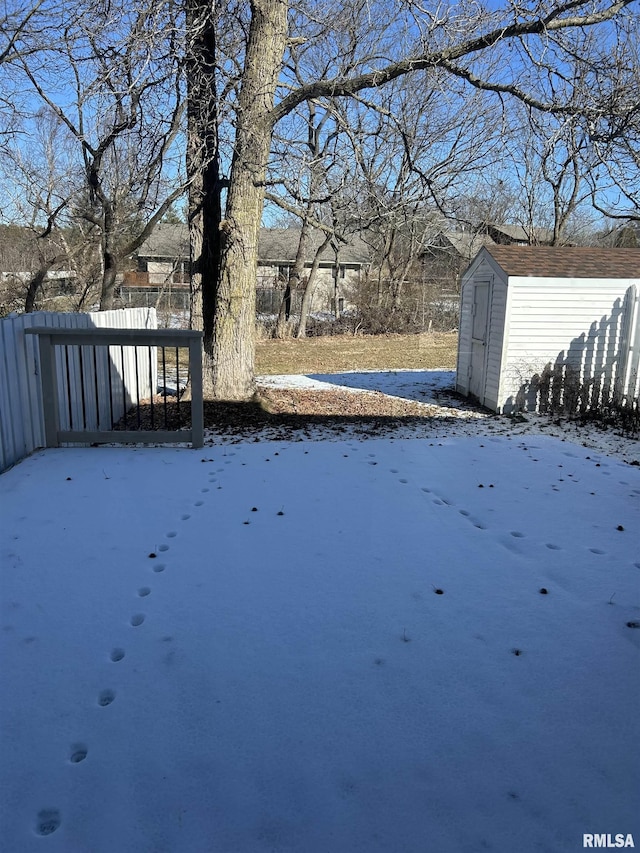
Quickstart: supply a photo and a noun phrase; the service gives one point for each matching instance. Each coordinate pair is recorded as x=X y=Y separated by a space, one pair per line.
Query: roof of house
x=566 y=262
x=466 y=243
x=518 y=233
x=280 y=245
x=166 y=241
x=277 y=246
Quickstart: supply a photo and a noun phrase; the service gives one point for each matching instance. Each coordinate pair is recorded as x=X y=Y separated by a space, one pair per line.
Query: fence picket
x=21 y=414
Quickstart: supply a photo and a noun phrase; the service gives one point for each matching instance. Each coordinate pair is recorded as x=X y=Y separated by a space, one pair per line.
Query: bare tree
x=111 y=77
x=510 y=52
x=612 y=154
x=41 y=187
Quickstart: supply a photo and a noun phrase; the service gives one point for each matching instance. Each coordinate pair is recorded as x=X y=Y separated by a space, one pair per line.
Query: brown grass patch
x=335 y=354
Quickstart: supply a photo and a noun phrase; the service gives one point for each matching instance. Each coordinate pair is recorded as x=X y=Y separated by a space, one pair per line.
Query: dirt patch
x=286 y=413
x=339 y=403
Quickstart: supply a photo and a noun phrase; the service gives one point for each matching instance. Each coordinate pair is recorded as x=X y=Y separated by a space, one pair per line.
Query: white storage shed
x=549 y=328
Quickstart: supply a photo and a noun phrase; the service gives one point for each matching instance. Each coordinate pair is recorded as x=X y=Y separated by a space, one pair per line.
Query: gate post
x=49 y=383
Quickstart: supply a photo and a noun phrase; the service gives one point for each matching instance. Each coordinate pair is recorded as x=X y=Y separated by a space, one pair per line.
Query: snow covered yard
x=320 y=647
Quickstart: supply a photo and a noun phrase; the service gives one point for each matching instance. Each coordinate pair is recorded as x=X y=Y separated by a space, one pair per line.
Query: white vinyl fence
x=21 y=413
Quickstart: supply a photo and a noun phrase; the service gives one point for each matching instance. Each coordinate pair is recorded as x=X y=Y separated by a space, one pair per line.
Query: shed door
x=479 y=336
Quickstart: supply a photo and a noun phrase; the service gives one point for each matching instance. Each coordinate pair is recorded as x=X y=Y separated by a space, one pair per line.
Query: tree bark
x=230 y=353
x=34 y=287
x=108 y=281
x=203 y=173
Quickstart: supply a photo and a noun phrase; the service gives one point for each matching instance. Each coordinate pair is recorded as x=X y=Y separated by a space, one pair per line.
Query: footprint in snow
x=136 y=620
x=117 y=655
x=597 y=551
x=510 y=545
x=159 y=567
x=78 y=753
x=106 y=697
x=553 y=547
x=47 y=822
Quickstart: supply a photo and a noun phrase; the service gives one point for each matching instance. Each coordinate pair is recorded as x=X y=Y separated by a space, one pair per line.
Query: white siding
x=576 y=322
x=538 y=325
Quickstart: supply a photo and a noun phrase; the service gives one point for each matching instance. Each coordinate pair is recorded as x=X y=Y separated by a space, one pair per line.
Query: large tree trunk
x=230 y=352
x=203 y=170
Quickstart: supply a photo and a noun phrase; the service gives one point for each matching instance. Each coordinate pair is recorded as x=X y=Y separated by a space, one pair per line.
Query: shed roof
x=566 y=262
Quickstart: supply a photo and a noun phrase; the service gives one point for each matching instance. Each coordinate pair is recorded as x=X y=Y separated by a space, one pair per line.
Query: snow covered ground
x=331 y=646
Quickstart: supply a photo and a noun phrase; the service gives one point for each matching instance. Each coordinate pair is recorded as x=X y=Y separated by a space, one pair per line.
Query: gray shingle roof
x=518 y=233
x=465 y=243
x=166 y=241
x=276 y=246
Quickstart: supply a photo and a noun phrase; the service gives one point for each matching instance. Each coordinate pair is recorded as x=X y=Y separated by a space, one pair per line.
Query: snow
x=339 y=646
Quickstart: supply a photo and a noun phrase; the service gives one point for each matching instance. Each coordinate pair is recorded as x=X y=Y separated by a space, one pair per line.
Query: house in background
x=163 y=267
x=162 y=270
x=550 y=328
x=342 y=266
x=450 y=252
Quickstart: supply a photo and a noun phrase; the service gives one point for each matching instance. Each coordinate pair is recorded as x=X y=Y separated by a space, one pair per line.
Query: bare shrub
x=406 y=307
